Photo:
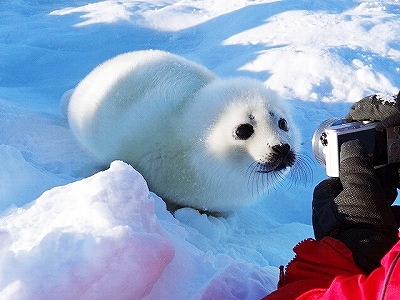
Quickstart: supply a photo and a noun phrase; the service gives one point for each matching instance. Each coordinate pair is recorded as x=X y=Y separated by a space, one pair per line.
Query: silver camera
x=382 y=146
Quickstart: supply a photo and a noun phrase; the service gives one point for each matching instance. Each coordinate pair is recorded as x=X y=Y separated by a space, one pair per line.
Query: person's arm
x=354 y=214
x=360 y=215
x=315 y=266
x=382 y=283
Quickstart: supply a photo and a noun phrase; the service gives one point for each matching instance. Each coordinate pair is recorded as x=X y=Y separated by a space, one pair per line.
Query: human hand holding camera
x=355 y=207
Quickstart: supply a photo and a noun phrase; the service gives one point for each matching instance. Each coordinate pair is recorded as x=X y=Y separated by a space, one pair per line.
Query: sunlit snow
x=71 y=229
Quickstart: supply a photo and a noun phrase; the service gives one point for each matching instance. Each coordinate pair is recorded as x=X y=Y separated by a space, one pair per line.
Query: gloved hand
x=386 y=109
x=356 y=208
x=382 y=108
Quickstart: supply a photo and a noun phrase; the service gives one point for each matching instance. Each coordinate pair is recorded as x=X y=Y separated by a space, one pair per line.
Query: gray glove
x=356 y=209
x=376 y=107
x=386 y=109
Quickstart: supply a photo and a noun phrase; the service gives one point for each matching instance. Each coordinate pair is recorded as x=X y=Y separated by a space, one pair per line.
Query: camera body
x=383 y=147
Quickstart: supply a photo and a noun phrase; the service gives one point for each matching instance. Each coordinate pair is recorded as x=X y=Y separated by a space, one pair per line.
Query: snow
x=70 y=229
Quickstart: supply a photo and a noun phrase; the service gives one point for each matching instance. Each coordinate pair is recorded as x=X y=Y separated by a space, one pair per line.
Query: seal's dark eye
x=244 y=131
x=282 y=123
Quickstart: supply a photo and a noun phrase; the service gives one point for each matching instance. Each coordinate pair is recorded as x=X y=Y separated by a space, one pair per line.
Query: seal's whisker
x=249 y=173
x=302 y=170
x=260 y=175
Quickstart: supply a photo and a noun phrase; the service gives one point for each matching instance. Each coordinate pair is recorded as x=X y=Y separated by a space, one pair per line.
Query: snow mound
x=83 y=241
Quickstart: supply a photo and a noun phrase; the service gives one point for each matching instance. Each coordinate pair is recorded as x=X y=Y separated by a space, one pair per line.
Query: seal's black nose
x=282 y=149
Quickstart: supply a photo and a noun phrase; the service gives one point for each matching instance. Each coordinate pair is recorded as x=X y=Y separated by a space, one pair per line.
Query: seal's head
x=255 y=130
x=250 y=136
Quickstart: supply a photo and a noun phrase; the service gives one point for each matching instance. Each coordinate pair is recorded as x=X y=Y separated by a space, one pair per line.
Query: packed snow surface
x=70 y=229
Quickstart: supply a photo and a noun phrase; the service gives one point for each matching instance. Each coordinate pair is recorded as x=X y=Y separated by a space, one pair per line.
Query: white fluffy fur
x=173 y=120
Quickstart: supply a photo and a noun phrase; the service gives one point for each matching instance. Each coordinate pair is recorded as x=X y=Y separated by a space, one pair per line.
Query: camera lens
x=319 y=139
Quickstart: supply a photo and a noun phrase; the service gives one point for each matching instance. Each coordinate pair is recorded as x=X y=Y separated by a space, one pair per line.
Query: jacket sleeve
x=336 y=276
x=383 y=283
x=315 y=265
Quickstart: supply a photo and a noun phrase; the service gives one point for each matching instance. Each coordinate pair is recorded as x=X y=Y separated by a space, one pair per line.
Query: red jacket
x=325 y=270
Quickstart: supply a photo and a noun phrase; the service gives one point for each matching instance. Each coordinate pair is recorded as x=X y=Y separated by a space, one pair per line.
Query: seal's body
x=198 y=140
